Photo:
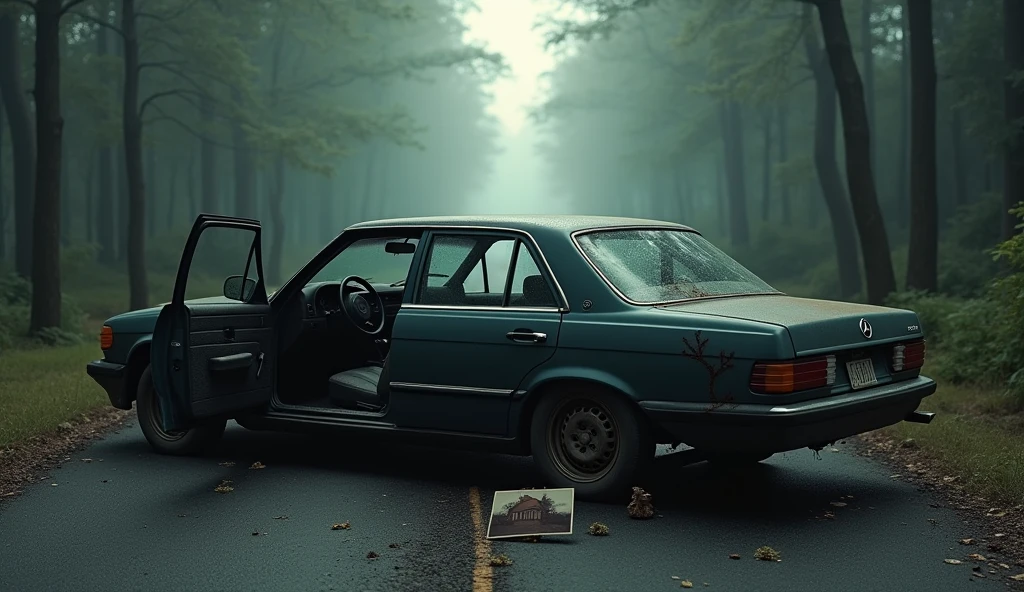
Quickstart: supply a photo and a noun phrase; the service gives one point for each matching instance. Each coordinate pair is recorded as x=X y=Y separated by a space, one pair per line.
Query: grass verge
x=45 y=387
x=974 y=437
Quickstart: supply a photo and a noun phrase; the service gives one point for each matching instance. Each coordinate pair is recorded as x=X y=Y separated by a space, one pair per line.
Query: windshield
x=368 y=259
x=651 y=266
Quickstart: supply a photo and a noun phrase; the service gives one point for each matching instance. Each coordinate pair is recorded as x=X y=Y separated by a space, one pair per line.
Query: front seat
x=363 y=388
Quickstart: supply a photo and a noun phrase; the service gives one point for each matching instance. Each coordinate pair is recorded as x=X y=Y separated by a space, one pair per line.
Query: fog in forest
x=821 y=166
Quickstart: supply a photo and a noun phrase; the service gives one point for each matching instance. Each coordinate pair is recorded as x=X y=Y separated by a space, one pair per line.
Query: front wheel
x=590 y=440
x=195 y=440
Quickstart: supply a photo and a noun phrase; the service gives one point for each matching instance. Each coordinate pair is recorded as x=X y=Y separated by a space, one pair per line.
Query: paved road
x=132 y=520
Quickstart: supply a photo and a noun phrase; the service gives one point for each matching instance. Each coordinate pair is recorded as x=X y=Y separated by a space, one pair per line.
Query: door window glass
x=223 y=256
x=529 y=288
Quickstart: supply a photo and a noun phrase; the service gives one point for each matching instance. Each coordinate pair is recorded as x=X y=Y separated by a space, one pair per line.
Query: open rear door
x=213 y=345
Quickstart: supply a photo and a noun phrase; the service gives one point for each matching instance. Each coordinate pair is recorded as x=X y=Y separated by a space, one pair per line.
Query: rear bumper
x=764 y=428
x=111 y=377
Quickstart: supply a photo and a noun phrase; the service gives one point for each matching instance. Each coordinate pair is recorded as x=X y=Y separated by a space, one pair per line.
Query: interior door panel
x=231 y=358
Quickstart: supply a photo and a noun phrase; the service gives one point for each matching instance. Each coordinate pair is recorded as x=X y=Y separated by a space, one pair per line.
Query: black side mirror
x=400 y=248
x=236 y=289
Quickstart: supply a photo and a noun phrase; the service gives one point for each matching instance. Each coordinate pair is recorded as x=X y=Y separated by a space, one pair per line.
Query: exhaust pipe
x=919 y=417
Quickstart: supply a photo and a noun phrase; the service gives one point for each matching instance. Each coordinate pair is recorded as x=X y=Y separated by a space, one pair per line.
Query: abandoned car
x=583 y=341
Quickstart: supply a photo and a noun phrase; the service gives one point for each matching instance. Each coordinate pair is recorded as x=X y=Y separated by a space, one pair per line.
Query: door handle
x=527 y=336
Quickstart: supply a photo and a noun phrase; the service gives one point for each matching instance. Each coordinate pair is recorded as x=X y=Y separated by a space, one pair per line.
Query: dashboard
x=324 y=298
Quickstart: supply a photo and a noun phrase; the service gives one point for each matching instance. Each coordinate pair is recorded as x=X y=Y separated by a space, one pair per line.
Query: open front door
x=213 y=351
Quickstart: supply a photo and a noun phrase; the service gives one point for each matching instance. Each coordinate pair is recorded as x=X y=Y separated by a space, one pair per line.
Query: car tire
x=568 y=458
x=735 y=460
x=193 y=441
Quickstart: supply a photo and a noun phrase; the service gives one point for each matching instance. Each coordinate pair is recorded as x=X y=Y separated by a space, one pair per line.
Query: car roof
x=529 y=222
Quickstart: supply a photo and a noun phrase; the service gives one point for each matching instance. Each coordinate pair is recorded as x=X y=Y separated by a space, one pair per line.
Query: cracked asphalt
x=132 y=520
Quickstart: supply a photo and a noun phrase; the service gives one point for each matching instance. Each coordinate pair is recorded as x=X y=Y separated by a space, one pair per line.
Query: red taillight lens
x=908 y=356
x=793 y=375
x=106 y=337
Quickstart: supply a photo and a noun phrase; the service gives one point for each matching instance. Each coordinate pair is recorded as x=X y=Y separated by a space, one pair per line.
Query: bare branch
x=176 y=92
x=187 y=128
x=96 y=21
x=69 y=5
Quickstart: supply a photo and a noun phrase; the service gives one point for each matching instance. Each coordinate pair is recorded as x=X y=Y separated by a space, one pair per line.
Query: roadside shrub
x=966 y=266
x=934 y=311
x=15 y=310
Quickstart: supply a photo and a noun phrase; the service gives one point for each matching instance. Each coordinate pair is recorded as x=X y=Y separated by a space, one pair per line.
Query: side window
x=222 y=257
x=492 y=267
x=529 y=288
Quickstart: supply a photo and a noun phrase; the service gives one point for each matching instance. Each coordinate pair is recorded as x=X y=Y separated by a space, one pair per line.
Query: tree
x=922 y=258
x=1013 y=100
x=19 y=119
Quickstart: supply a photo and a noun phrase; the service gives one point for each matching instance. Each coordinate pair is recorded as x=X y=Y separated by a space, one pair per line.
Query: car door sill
x=308 y=411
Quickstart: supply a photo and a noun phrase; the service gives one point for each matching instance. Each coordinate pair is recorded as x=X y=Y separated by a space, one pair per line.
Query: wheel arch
x=138 y=360
x=536 y=388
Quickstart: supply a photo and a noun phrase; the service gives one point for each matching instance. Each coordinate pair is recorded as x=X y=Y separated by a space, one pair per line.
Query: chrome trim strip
x=369 y=225
x=414 y=386
x=577 y=233
x=483 y=308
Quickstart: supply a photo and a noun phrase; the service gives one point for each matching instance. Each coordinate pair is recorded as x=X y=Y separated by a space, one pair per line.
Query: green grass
x=44 y=387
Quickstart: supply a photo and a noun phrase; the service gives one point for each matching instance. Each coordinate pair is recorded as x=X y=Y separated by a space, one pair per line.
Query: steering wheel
x=363 y=308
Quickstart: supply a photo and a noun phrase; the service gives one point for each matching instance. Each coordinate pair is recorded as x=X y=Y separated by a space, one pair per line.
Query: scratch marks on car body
x=697 y=350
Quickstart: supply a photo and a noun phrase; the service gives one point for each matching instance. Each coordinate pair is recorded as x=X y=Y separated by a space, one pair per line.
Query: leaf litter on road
x=257 y=465
x=686 y=584
x=227 y=463
x=952 y=561
x=976 y=557
x=598 y=529
x=500 y=560
x=224 y=487
x=341 y=526
x=766 y=553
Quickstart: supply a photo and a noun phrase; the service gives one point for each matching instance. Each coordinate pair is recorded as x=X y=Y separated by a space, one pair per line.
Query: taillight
x=908 y=356
x=793 y=375
x=106 y=337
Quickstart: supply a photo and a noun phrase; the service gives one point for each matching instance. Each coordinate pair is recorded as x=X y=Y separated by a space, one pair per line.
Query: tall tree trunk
x=874 y=241
x=867 y=46
x=138 y=285
x=922 y=256
x=829 y=179
x=105 y=192
x=1013 y=99
x=49 y=128
x=193 y=198
x=3 y=194
x=172 y=195
x=90 y=204
x=783 y=120
x=245 y=171
x=65 y=204
x=766 y=181
x=19 y=119
x=961 y=167
x=903 y=190
x=277 y=222
x=149 y=181
x=731 y=122
x=207 y=163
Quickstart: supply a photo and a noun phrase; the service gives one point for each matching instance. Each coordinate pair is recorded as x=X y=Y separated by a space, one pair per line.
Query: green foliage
x=966 y=266
x=15 y=308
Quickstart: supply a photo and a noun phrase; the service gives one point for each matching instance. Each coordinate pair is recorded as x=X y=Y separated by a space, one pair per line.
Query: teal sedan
x=583 y=341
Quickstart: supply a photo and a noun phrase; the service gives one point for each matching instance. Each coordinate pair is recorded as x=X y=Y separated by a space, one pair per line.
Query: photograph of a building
x=531 y=512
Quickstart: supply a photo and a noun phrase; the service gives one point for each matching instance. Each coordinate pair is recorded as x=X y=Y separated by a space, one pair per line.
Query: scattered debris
x=257 y=465
x=734 y=556
x=833 y=450
x=227 y=463
x=65 y=426
x=255 y=533
x=224 y=487
x=280 y=517
x=641 y=507
x=676 y=578
x=686 y=584
x=838 y=504
x=952 y=561
x=766 y=553
x=908 y=443
x=966 y=541
x=976 y=557
x=86 y=460
x=394 y=546
x=1018 y=578
x=372 y=555
x=598 y=529
x=341 y=526
x=829 y=516
x=500 y=560
x=181 y=515
x=53 y=485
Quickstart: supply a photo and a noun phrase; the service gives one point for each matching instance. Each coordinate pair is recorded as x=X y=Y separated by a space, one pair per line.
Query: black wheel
x=186 y=442
x=736 y=460
x=591 y=440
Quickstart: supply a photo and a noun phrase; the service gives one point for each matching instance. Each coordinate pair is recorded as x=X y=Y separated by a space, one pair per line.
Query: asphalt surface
x=133 y=520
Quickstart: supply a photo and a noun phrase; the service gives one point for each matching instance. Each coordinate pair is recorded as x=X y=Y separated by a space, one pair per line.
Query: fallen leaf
x=766 y=553
x=734 y=556
x=87 y=460
x=255 y=533
x=598 y=529
x=999 y=535
x=838 y=504
x=829 y=516
x=833 y=450
x=676 y=578
x=966 y=541
x=394 y=546
x=500 y=560
x=227 y=463
x=341 y=526
x=53 y=485
x=1003 y=565
x=976 y=557
x=1018 y=577
x=952 y=561
x=280 y=517
x=686 y=584
x=257 y=465
x=372 y=555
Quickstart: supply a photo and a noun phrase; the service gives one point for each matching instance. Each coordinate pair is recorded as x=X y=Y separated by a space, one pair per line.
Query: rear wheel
x=590 y=440
x=195 y=440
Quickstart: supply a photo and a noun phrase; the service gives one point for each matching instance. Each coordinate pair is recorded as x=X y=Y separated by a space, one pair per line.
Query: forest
x=861 y=150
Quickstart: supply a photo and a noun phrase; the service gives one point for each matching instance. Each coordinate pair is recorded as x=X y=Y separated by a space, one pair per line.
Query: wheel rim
x=156 y=421
x=583 y=440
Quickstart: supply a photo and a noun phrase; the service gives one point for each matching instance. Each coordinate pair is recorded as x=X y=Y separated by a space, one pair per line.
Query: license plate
x=862 y=373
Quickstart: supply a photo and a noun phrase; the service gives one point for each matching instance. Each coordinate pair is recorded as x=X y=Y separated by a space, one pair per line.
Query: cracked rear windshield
x=651 y=266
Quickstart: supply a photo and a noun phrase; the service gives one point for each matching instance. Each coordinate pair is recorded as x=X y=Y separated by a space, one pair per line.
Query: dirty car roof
x=529 y=223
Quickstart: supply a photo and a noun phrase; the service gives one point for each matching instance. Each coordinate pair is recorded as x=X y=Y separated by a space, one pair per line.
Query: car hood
x=814 y=325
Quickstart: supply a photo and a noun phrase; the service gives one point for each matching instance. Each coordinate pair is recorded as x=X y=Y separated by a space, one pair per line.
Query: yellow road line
x=483 y=580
